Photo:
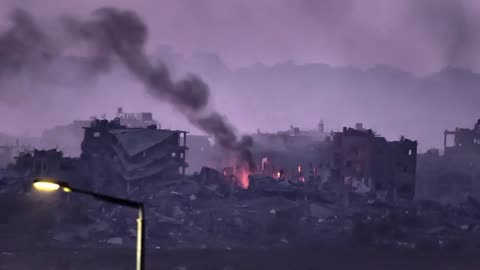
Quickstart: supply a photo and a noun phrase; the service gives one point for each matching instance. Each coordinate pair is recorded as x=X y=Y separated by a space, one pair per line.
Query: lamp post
x=49 y=185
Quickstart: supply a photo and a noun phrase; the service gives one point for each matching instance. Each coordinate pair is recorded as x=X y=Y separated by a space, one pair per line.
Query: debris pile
x=207 y=211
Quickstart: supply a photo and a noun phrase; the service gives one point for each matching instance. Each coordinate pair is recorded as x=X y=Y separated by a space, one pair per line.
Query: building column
x=445 y=141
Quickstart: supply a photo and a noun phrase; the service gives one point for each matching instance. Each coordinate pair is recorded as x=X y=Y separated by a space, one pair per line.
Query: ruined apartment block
x=136 y=153
x=465 y=141
x=452 y=176
x=368 y=163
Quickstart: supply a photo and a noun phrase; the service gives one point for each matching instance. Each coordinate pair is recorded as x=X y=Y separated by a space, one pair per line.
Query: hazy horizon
x=251 y=79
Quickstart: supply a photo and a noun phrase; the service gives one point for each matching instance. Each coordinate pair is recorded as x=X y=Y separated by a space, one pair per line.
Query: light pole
x=50 y=185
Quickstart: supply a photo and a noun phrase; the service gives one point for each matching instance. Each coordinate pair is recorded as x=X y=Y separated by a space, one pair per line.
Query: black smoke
x=452 y=25
x=112 y=36
x=24 y=47
x=121 y=34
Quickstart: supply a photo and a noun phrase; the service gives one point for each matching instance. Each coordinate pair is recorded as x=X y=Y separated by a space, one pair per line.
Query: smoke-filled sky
x=417 y=36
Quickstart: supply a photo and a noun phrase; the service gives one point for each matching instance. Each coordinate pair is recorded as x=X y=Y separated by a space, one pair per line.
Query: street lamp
x=50 y=185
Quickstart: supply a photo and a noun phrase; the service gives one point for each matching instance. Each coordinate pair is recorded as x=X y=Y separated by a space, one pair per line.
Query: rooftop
x=135 y=141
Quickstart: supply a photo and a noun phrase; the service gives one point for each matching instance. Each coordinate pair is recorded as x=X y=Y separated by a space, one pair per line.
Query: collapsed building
x=369 y=163
x=209 y=209
x=135 y=154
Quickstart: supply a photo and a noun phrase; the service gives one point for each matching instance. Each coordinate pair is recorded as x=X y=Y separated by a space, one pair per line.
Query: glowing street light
x=46 y=185
x=50 y=185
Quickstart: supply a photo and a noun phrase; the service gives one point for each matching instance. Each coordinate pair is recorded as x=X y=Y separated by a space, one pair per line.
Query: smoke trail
x=23 y=46
x=114 y=33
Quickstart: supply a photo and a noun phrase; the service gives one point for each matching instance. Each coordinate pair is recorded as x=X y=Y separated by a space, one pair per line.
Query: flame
x=302 y=179
x=279 y=175
x=299 y=168
x=243 y=178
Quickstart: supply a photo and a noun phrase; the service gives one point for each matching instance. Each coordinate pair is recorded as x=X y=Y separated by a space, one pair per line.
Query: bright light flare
x=44 y=185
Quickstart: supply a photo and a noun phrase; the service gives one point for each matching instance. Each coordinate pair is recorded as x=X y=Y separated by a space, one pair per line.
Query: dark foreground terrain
x=277 y=259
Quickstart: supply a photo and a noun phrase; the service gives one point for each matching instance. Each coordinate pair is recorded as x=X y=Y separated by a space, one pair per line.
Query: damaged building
x=369 y=163
x=465 y=141
x=200 y=152
x=293 y=154
x=136 y=120
x=51 y=163
x=452 y=176
x=135 y=153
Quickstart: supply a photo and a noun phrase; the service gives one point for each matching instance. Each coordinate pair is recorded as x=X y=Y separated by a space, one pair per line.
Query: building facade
x=465 y=141
x=135 y=153
x=385 y=168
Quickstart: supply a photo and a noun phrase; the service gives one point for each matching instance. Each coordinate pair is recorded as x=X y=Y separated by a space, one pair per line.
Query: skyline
x=279 y=69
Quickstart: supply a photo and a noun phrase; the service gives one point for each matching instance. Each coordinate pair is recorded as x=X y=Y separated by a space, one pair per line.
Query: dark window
x=349 y=163
x=378 y=186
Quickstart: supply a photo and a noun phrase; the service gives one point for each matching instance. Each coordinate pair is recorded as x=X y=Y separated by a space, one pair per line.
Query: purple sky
x=418 y=36
x=415 y=35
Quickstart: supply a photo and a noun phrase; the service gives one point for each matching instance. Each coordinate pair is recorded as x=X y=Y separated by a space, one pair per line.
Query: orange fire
x=242 y=175
x=299 y=168
x=279 y=175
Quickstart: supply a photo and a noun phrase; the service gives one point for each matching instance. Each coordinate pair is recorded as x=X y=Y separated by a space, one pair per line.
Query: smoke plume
x=114 y=36
x=122 y=34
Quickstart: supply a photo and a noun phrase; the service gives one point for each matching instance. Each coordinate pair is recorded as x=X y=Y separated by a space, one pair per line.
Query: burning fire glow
x=279 y=175
x=242 y=175
x=299 y=168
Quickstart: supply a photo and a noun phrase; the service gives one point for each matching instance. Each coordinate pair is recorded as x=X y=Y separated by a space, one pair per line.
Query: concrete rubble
x=206 y=211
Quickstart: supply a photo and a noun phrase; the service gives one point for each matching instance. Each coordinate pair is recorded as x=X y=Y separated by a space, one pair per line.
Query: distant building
x=465 y=141
x=136 y=120
x=293 y=154
x=135 y=153
x=452 y=176
x=47 y=163
x=387 y=169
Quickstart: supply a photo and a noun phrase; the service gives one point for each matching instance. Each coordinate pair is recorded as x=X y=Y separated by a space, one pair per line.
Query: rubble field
x=301 y=258
x=210 y=213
